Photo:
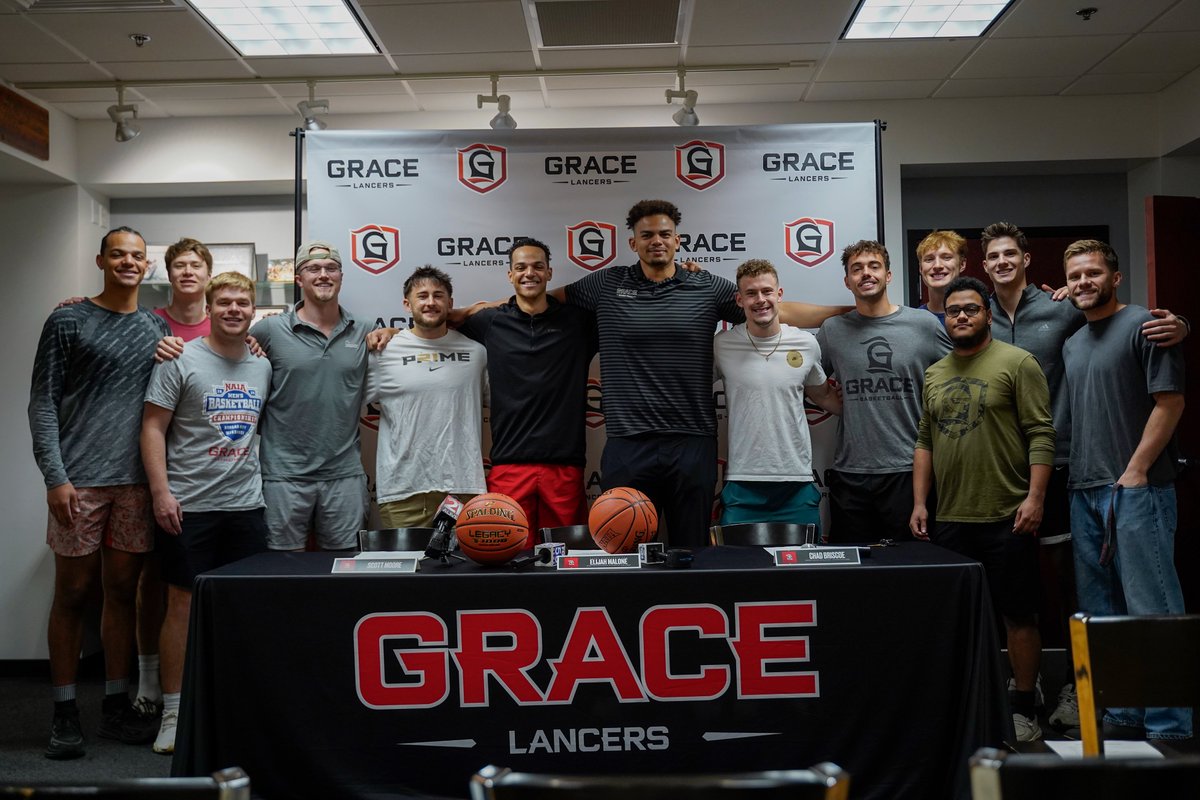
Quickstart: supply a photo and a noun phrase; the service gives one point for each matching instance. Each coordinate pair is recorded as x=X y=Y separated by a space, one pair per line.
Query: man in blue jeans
x=1126 y=398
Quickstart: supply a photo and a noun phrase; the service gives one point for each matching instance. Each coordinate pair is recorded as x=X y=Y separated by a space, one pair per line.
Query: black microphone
x=443 y=522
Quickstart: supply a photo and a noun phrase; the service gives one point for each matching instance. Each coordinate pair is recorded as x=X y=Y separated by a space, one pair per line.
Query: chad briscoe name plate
x=816 y=556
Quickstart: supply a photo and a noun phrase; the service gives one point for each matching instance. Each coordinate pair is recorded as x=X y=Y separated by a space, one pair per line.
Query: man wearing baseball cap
x=312 y=472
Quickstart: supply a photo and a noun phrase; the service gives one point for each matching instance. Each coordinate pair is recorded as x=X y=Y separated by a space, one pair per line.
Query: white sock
x=148 y=685
x=171 y=702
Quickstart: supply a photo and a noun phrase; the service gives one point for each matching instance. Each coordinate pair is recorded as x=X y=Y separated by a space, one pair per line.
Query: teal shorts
x=771 y=501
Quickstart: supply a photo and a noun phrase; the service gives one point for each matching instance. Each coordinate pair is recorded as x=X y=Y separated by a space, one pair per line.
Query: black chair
x=575 y=537
x=999 y=775
x=228 y=784
x=393 y=539
x=1132 y=662
x=760 y=534
x=822 y=782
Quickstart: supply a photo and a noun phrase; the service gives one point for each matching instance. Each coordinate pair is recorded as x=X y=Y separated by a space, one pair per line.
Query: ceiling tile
x=752 y=22
x=36 y=73
x=908 y=60
x=1183 y=17
x=1024 y=58
x=1129 y=83
x=467 y=62
x=21 y=40
x=1154 y=52
x=210 y=92
x=611 y=57
x=451 y=27
x=1002 y=87
x=105 y=37
x=765 y=54
x=319 y=65
x=871 y=90
x=1058 y=18
x=176 y=70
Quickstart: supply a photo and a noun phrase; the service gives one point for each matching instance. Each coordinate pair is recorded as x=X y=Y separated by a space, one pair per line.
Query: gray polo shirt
x=310 y=429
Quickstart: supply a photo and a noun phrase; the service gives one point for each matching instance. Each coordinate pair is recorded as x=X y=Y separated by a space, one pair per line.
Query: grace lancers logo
x=232 y=408
x=592 y=245
x=960 y=403
x=482 y=167
x=375 y=248
x=594 y=416
x=809 y=240
x=700 y=164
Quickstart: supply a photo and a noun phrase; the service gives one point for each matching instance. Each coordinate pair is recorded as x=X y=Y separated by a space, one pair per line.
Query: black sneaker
x=124 y=723
x=66 y=737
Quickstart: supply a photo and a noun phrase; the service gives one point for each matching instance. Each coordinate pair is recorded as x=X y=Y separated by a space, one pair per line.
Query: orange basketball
x=492 y=528
x=621 y=519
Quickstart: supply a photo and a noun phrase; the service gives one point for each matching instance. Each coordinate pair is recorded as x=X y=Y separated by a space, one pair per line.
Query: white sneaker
x=1027 y=728
x=1066 y=713
x=1039 y=699
x=165 y=743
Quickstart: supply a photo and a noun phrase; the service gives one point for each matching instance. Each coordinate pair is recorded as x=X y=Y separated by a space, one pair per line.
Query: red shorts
x=118 y=517
x=551 y=494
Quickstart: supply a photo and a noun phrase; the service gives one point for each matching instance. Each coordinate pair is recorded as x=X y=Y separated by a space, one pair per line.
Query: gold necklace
x=766 y=357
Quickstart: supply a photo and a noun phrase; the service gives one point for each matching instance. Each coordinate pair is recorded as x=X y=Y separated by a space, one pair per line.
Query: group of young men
x=923 y=407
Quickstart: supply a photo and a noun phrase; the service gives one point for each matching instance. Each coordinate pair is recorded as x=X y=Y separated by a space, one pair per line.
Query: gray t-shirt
x=1112 y=371
x=310 y=430
x=880 y=363
x=212 y=449
x=85 y=400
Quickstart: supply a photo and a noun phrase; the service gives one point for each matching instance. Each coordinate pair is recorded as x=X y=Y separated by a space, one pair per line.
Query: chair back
x=575 y=537
x=227 y=784
x=822 y=782
x=1000 y=775
x=760 y=534
x=1132 y=661
x=384 y=540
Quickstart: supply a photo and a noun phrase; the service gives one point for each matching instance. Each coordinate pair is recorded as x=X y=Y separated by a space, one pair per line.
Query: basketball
x=492 y=528
x=621 y=519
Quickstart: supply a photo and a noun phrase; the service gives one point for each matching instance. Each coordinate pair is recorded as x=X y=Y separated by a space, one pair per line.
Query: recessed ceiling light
x=923 y=19
x=287 y=27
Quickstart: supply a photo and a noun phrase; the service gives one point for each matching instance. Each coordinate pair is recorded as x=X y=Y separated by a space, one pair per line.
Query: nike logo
x=432 y=367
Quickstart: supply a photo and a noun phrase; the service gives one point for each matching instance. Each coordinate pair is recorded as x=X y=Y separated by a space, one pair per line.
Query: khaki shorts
x=414 y=511
x=118 y=517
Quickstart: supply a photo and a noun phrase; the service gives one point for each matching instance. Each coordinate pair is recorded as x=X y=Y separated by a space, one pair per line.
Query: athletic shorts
x=414 y=511
x=335 y=510
x=210 y=539
x=118 y=517
x=1010 y=561
x=550 y=494
x=797 y=502
x=1056 y=511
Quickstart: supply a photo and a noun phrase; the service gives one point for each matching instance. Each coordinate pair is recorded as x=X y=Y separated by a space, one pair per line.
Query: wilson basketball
x=621 y=519
x=492 y=528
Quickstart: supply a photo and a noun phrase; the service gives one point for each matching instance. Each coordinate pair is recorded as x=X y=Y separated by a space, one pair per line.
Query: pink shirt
x=183 y=330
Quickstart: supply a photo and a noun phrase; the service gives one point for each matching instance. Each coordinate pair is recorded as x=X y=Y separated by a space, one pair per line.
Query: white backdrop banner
x=393 y=201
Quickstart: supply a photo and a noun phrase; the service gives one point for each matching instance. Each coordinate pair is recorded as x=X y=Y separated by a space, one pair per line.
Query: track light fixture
x=309 y=108
x=503 y=120
x=686 y=115
x=124 y=117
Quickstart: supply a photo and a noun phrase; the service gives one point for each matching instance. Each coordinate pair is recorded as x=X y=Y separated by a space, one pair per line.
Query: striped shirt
x=656 y=347
x=89 y=384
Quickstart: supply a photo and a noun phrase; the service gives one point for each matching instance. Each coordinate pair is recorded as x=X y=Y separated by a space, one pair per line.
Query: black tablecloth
x=290 y=669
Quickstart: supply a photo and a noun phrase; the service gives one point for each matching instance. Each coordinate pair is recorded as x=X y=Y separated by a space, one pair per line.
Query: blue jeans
x=1141 y=579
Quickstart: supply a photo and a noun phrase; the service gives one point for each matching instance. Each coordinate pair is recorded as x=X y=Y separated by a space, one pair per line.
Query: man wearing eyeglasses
x=987 y=438
x=312 y=470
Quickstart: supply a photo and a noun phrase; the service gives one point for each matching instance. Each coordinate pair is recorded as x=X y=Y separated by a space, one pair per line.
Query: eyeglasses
x=971 y=310
x=330 y=269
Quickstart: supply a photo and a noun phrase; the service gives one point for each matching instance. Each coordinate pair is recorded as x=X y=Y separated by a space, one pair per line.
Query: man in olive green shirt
x=987 y=438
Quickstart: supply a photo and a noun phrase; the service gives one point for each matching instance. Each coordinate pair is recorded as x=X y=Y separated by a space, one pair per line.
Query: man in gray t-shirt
x=878 y=353
x=1126 y=399
x=199 y=446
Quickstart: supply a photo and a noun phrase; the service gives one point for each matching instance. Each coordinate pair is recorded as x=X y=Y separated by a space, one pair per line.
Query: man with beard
x=199 y=446
x=1126 y=399
x=986 y=435
x=878 y=353
x=431 y=385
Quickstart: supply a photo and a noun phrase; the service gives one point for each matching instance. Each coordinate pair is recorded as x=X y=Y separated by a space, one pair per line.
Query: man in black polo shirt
x=539 y=350
x=656 y=325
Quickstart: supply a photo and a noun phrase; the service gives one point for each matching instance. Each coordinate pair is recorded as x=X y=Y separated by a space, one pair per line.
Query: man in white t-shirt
x=431 y=386
x=768 y=369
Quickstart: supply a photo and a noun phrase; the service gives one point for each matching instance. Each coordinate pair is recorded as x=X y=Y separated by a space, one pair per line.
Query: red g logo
x=594 y=416
x=482 y=167
x=809 y=240
x=375 y=248
x=700 y=164
x=592 y=245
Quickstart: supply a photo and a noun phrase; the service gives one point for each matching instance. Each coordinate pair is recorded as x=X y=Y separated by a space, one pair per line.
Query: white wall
x=48 y=237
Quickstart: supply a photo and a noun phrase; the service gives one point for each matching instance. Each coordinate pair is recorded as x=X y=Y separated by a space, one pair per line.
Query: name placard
x=816 y=556
x=374 y=566
x=599 y=561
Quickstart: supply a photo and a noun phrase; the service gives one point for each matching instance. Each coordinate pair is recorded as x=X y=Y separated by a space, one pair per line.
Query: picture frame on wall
x=262 y=312
x=233 y=257
x=156 y=264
